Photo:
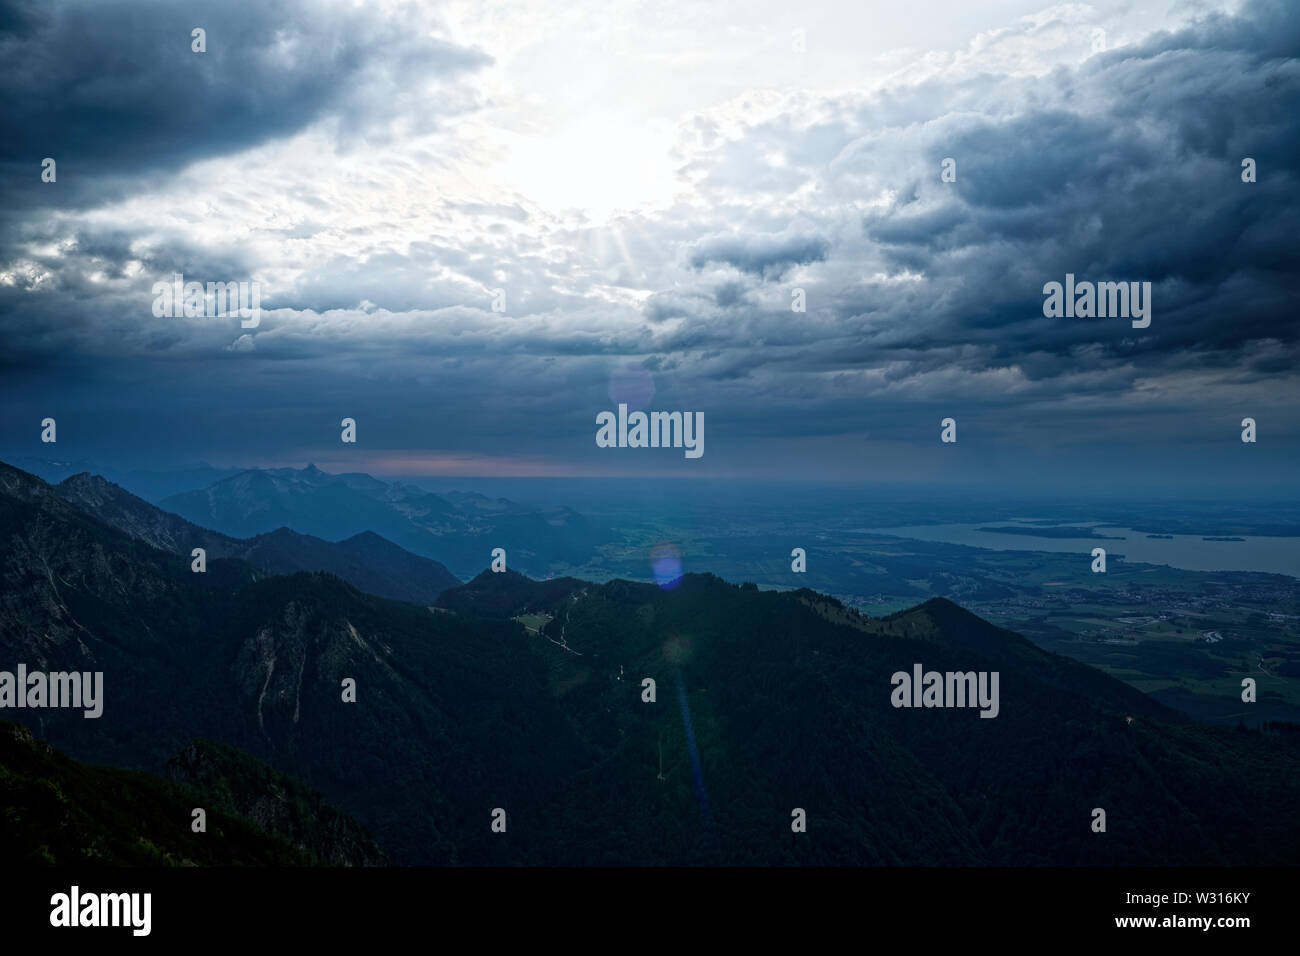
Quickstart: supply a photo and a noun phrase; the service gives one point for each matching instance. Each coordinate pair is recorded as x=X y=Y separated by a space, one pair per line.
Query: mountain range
x=365 y=560
x=531 y=697
x=459 y=530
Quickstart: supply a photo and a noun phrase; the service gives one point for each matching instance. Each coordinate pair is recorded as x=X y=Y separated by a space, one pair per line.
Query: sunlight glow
x=595 y=168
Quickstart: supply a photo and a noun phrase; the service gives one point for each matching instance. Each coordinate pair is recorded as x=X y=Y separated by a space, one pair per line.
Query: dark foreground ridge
x=530 y=697
x=58 y=812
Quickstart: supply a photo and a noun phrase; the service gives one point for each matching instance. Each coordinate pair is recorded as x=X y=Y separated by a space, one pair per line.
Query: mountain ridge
x=762 y=701
x=339 y=506
x=60 y=812
x=367 y=560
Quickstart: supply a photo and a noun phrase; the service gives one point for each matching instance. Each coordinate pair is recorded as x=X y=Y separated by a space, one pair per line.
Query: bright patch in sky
x=595 y=167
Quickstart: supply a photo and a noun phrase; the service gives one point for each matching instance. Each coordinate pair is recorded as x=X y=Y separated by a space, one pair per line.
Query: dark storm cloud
x=1131 y=170
x=769 y=256
x=1127 y=167
x=113 y=92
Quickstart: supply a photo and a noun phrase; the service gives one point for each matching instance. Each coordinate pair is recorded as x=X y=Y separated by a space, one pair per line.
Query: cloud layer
x=345 y=158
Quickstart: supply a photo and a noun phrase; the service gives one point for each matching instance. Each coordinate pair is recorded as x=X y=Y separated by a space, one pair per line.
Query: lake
x=1189 y=552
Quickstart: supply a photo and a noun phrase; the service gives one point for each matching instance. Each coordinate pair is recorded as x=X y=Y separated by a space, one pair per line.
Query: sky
x=476 y=226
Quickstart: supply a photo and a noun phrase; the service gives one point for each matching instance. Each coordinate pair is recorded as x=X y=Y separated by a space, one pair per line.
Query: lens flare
x=666 y=565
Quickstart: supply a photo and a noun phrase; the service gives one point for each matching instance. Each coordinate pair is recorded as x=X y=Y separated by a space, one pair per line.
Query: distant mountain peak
x=943 y=605
x=459 y=530
x=84 y=479
x=368 y=561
